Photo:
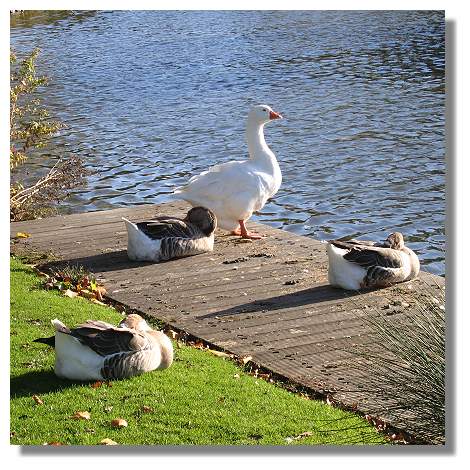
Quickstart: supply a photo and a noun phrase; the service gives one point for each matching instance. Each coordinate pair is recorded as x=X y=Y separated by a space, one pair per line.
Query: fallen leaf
x=96 y=384
x=70 y=293
x=81 y=415
x=173 y=334
x=119 y=423
x=147 y=409
x=246 y=359
x=38 y=400
x=100 y=292
x=300 y=436
x=236 y=376
x=108 y=442
x=199 y=345
x=22 y=235
x=218 y=353
x=87 y=294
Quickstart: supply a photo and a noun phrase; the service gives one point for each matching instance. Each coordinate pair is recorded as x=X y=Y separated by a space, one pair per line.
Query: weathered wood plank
x=268 y=299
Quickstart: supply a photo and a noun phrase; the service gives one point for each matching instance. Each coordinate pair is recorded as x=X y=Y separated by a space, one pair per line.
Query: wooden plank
x=268 y=299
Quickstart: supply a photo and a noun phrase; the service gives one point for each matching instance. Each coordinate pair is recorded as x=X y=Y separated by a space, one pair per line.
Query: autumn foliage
x=31 y=128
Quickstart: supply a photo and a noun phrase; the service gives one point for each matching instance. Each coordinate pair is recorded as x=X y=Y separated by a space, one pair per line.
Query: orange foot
x=245 y=233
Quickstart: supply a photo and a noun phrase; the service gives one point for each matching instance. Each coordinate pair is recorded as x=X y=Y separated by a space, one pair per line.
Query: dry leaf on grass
x=147 y=409
x=173 y=334
x=300 y=436
x=100 y=292
x=70 y=293
x=236 y=376
x=108 y=442
x=81 y=415
x=38 y=400
x=87 y=294
x=96 y=384
x=119 y=423
x=219 y=353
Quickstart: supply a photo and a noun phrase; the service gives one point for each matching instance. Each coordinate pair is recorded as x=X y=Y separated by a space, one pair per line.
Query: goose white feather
x=236 y=189
x=356 y=265
x=97 y=350
x=163 y=239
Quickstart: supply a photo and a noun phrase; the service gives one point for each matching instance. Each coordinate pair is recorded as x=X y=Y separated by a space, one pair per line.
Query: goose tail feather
x=49 y=341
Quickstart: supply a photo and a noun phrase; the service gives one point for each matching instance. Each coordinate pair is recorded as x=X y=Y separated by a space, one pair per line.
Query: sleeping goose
x=96 y=350
x=236 y=189
x=355 y=264
x=163 y=239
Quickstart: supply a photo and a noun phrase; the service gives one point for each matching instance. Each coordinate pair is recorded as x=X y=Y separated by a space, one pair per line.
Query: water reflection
x=150 y=98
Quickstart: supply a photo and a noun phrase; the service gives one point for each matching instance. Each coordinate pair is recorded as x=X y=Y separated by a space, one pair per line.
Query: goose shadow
x=305 y=297
x=39 y=382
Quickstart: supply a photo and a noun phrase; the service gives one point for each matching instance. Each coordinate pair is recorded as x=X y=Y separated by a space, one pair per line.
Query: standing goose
x=355 y=265
x=236 y=189
x=97 y=350
x=163 y=239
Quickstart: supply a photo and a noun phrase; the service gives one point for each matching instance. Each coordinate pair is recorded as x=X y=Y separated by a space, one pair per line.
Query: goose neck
x=257 y=146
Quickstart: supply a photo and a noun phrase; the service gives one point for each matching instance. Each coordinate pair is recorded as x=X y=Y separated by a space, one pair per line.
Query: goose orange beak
x=274 y=115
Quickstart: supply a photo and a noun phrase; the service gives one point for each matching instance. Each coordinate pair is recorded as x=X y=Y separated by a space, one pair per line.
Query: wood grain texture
x=268 y=299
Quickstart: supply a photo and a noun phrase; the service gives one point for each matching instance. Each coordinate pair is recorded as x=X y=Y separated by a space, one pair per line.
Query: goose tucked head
x=202 y=218
x=135 y=322
x=262 y=113
x=395 y=241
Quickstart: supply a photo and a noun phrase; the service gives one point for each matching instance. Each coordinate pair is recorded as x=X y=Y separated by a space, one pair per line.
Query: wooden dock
x=267 y=299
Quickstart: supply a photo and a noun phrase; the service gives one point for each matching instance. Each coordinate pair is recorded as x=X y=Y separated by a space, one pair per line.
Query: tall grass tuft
x=406 y=367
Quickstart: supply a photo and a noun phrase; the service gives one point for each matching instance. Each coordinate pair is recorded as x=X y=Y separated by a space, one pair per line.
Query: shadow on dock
x=311 y=296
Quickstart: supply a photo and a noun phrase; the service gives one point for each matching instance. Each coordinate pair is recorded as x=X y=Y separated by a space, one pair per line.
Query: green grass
x=198 y=400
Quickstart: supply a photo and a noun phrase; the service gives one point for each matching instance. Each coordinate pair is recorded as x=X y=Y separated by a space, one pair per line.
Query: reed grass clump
x=406 y=368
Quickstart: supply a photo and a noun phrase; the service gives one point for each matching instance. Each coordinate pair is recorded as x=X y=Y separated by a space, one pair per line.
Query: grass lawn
x=201 y=399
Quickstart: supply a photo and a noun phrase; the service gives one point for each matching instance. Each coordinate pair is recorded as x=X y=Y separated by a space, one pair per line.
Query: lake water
x=151 y=98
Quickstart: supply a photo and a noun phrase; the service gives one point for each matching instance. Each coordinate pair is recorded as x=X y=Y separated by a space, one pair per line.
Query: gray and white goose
x=356 y=264
x=163 y=239
x=96 y=350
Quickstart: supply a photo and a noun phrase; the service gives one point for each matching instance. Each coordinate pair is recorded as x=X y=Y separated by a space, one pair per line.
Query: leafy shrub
x=31 y=128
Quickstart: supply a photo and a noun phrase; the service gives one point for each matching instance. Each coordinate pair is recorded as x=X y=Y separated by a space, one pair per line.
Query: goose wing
x=106 y=339
x=221 y=182
x=167 y=228
x=369 y=256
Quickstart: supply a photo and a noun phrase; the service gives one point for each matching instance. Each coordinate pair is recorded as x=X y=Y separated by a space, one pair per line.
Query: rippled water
x=151 y=98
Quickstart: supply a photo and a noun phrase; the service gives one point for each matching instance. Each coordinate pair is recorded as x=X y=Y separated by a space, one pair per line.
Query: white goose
x=97 y=350
x=356 y=264
x=163 y=239
x=236 y=189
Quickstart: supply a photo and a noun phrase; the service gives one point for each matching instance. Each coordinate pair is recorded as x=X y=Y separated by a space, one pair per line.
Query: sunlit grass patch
x=201 y=399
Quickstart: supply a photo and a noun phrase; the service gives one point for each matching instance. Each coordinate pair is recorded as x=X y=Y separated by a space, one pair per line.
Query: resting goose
x=236 y=189
x=355 y=264
x=163 y=239
x=96 y=350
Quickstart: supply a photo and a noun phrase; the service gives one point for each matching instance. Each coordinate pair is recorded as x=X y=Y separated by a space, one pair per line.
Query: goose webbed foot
x=246 y=233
